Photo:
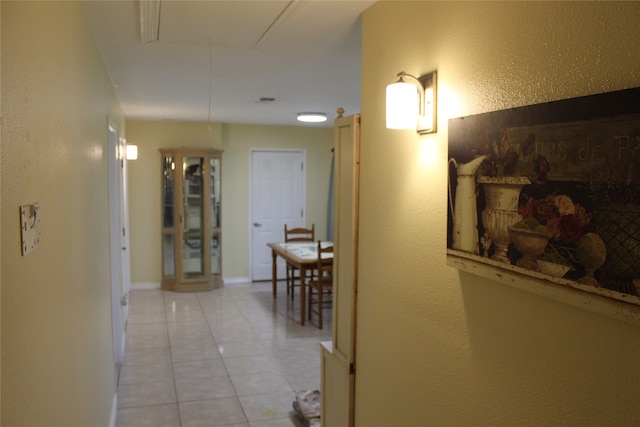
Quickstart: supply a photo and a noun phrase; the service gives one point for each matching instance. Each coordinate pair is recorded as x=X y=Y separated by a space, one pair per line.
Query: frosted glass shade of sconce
x=403 y=105
x=132 y=152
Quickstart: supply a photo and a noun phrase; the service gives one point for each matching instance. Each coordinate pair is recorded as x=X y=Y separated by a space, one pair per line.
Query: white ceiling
x=213 y=60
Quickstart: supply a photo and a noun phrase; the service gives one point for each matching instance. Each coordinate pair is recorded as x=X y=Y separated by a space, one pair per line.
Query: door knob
x=257 y=224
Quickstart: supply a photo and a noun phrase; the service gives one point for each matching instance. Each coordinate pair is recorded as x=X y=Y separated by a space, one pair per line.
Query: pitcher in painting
x=464 y=211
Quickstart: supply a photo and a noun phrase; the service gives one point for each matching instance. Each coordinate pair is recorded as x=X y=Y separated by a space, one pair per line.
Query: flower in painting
x=542 y=167
x=564 y=219
x=510 y=161
x=564 y=204
x=501 y=157
x=527 y=146
x=582 y=215
x=570 y=229
x=544 y=210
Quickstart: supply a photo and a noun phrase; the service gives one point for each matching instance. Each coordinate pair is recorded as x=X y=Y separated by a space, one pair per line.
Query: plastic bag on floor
x=307 y=406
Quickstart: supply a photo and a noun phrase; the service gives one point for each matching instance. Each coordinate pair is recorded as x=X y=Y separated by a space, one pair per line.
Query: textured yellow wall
x=236 y=141
x=145 y=182
x=439 y=347
x=0 y=215
x=57 y=353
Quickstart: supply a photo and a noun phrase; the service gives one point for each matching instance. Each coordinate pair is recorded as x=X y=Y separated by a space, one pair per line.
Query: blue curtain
x=330 y=203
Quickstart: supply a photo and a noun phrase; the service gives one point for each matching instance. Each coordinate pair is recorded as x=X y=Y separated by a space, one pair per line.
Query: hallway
x=229 y=357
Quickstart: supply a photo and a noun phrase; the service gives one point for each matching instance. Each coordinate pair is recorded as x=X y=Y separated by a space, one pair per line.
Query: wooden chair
x=321 y=287
x=298 y=234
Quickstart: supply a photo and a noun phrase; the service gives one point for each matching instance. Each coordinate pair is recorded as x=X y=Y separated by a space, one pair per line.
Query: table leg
x=303 y=293
x=274 y=272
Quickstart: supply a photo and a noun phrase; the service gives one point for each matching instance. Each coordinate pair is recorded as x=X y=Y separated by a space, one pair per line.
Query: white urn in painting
x=501 y=212
x=530 y=244
x=591 y=253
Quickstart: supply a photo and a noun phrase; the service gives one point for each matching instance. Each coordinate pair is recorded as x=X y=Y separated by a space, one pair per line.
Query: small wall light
x=131 y=152
x=411 y=103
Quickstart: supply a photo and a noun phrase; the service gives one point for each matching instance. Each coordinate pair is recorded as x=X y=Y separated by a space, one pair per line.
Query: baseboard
x=114 y=410
x=145 y=285
x=235 y=280
x=124 y=343
x=156 y=285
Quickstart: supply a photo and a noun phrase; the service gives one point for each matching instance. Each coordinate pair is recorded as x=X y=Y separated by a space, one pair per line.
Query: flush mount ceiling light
x=411 y=103
x=312 y=117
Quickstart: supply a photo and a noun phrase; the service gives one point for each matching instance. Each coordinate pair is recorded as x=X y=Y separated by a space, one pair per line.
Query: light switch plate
x=30 y=227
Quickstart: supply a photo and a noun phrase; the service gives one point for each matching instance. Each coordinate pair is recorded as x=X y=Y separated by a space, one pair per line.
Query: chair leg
x=293 y=281
x=320 y=298
x=288 y=269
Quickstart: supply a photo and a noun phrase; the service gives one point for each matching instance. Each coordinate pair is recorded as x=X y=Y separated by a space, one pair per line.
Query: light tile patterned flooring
x=230 y=357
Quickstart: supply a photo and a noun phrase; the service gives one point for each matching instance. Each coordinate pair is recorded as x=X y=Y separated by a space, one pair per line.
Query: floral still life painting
x=551 y=190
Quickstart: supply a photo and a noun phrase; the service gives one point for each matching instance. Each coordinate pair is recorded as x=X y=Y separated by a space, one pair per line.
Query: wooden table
x=304 y=256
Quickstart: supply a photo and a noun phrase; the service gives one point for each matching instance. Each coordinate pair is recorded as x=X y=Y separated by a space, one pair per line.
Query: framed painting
x=550 y=192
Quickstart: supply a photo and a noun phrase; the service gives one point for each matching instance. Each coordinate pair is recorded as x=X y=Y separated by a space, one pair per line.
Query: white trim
x=235 y=280
x=125 y=307
x=114 y=410
x=145 y=285
x=124 y=342
x=156 y=285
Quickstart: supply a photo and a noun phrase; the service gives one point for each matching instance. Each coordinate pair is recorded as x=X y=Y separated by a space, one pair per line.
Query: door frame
x=303 y=196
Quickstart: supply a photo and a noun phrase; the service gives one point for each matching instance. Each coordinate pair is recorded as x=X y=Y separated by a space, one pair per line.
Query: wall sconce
x=411 y=103
x=131 y=152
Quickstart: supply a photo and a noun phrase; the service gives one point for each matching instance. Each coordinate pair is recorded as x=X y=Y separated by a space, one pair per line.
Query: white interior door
x=125 y=250
x=115 y=201
x=277 y=198
x=118 y=239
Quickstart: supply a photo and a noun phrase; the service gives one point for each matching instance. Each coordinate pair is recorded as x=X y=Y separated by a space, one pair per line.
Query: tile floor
x=230 y=357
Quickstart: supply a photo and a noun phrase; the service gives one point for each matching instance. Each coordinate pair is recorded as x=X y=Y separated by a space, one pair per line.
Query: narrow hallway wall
x=57 y=348
x=440 y=347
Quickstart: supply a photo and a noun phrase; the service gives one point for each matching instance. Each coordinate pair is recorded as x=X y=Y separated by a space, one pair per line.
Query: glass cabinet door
x=168 y=218
x=192 y=233
x=214 y=200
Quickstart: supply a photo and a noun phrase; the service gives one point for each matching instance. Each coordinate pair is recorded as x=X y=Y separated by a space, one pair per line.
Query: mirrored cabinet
x=191 y=236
